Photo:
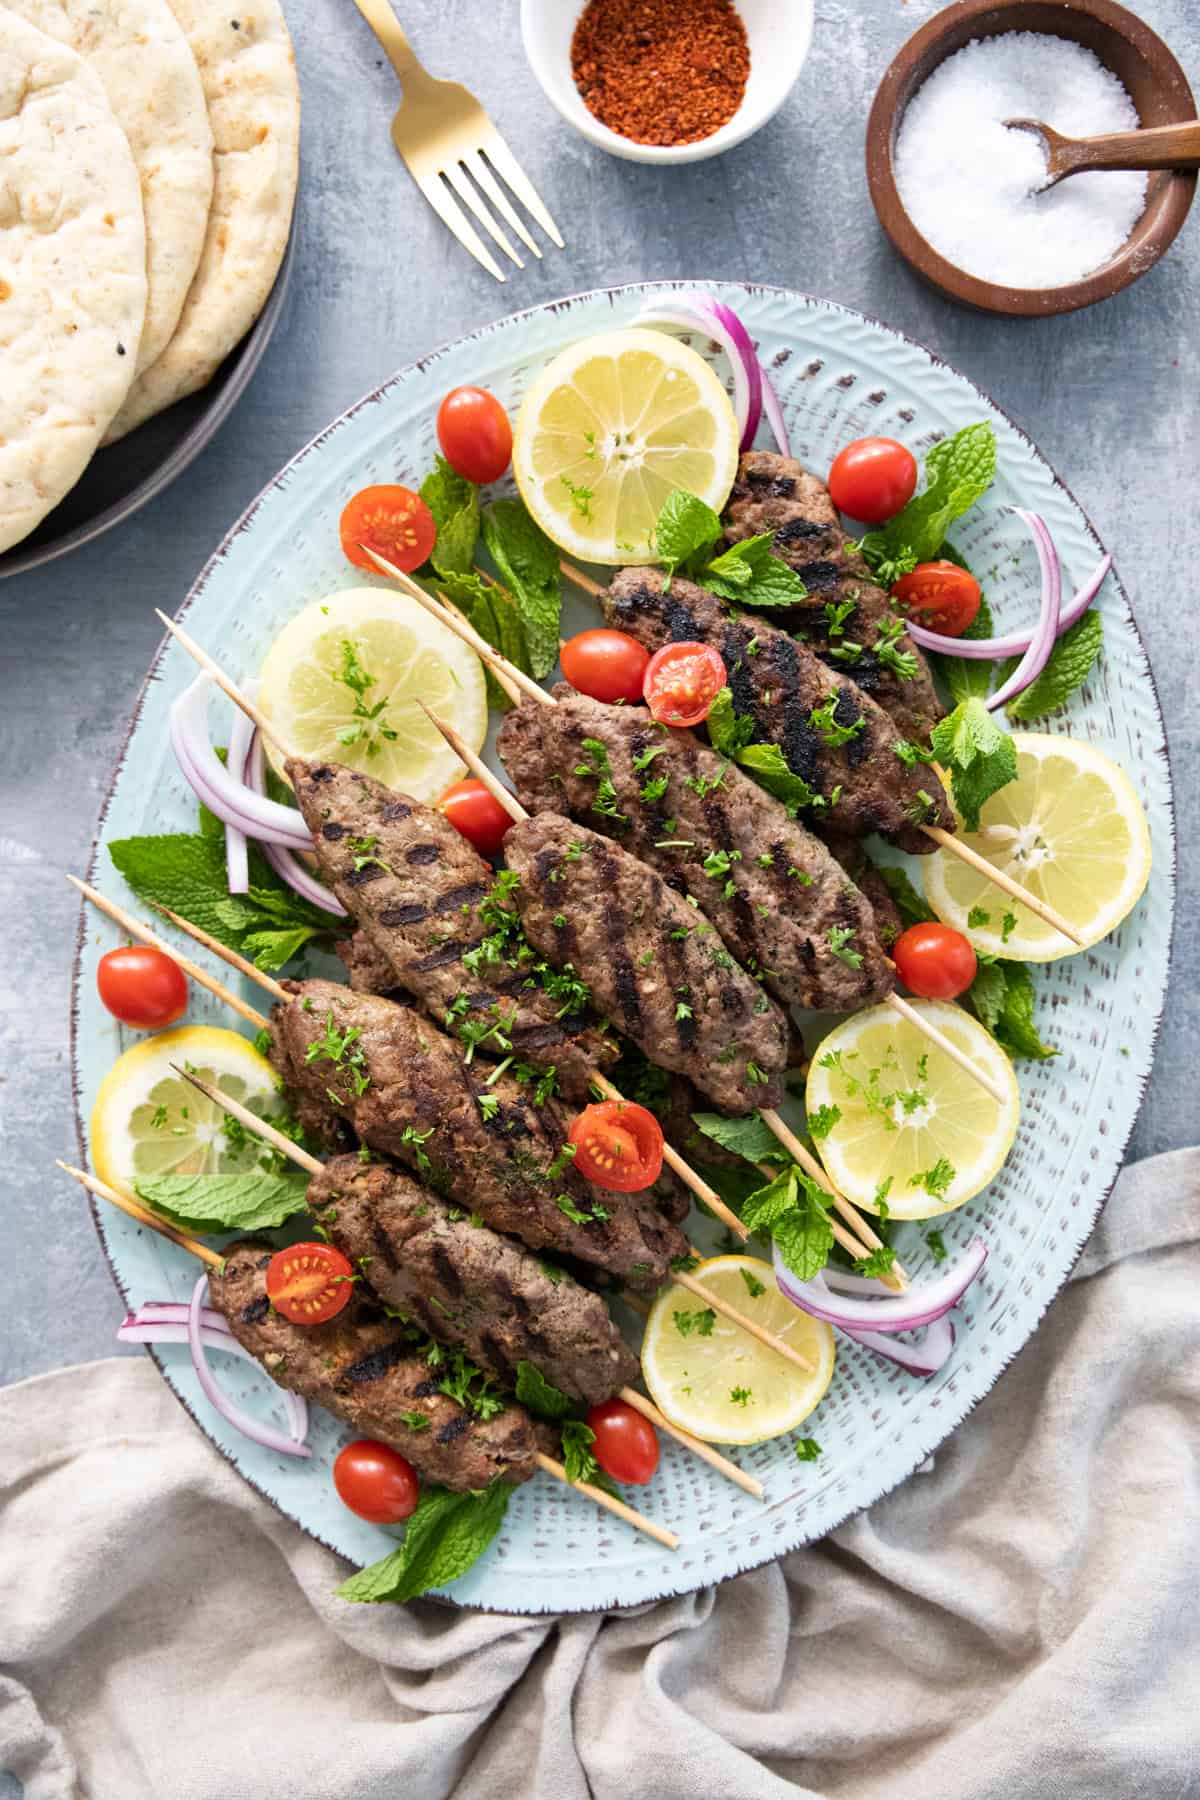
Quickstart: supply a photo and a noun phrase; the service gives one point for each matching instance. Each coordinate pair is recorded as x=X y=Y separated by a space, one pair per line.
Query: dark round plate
x=120 y=480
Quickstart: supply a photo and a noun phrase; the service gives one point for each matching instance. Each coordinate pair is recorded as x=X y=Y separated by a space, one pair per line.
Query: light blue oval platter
x=839 y=376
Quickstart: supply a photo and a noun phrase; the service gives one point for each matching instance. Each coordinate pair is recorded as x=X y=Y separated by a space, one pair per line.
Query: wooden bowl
x=1155 y=82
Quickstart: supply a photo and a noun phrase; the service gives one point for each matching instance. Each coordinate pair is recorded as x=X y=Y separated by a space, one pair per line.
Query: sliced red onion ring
x=842 y=1282
x=137 y=1330
x=774 y=412
x=925 y=1358
x=752 y=390
x=1017 y=642
x=237 y=851
x=266 y=1435
x=902 y=1312
x=285 y=865
x=1042 y=642
x=218 y=787
x=738 y=345
x=175 y=1312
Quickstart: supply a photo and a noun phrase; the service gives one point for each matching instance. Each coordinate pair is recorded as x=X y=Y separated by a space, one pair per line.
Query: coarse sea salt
x=967 y=181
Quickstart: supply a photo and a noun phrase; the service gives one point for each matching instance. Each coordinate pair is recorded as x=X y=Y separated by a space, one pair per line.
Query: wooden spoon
x=1157 y=147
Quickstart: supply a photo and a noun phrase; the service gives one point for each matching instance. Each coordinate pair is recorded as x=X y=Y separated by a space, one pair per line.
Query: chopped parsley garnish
x=367 y=724
x=978 y=915
x=415 y=1421
x=754 y=1286
x=699 y=1322
x=344 y=1050
x=822 y=1120
x=578 y=1216
x=581 y=497
x=937 y=1246
x=1008 y=925
x=740 y=1395
x=879 y=1262
x=902 y=663
x=935 y=1181
x=824 y=722
x=807 y=1449
x=836 y=614
x=600 y=769
x=362 y=849
x=839 y=943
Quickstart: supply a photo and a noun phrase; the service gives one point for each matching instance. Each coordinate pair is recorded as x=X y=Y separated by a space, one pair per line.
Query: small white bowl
x=779 y=34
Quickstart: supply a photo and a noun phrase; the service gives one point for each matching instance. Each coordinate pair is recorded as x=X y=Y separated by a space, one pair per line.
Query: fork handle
x=391 y=35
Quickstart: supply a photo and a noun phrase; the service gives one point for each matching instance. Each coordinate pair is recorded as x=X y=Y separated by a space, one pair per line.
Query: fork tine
x=507 y=166
x=464 y=187
x=499 y=199
x=452 y=214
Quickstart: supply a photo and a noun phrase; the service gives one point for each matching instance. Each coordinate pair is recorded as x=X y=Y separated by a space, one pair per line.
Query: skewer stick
x=266 y=982
x=500 y=673
x=706 y=1194
x=136 y=929
x=1048 y=914
x=101 y=1188
x=659 y=1532
x=222 y=680
x=261 y=1128
x=811 y=1166
x=948 y=1048
x=737 y=1317
x=938 y=833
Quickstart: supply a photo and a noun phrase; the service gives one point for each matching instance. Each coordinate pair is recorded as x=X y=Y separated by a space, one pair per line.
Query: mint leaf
x=746 y=1137
x=793 y=1211
x=270 y=950
x=763 y=1209
x=579 y=1459
x=979 y=755
x=445 y=1535
x=540 y=1395
x=726 y=732
x=528 y=565
x=255 y=1201
x=494 y=616
x=987 y=993
x=769 y=765
x=1002 y=998
x=958 y=472
x=912 y=906
x=749 y=573
x=968 y=677
x=454 y=503
x=686 y=530
x=1068 y=667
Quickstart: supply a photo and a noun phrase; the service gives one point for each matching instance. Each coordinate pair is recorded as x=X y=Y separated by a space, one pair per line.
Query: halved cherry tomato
x=309 y=1283
x=475 y=434
x=394 y=521
x=473 y=812
x=605 y=665
x=141 y=986
x=682 y=681
x=872 y=479
x=934 y=961
x=375 y=1482
x=940 y=596
x=626 y=1445
x=618 y=1145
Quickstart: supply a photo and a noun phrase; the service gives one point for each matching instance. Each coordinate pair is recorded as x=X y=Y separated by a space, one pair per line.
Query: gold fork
x=450 y=147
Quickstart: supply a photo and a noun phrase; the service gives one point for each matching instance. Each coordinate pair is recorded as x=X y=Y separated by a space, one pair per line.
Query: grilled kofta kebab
x=849 y=621
x=591 y=910
x=361 y=1366
x=774 y=892
x=832 y=735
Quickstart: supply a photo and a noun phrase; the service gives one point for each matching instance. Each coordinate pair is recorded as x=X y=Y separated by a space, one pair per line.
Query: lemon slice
x=341 y=683
x=709 y=1377
x=1071 y=829
x=148 y=1120
x=912 y=1128
x=609 y=429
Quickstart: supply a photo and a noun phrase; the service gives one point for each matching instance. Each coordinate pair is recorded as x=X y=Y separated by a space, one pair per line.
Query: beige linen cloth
x=1019 y=1623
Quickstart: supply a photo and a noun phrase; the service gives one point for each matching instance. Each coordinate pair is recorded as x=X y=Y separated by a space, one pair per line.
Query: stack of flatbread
x=149 y=152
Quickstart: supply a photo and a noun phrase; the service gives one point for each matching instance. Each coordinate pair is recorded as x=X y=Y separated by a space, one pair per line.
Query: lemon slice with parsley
x=611 y=428
x=149 y=1121
x=1071 y=829
x=343 y=681
x=708 y=1376
x=896 y=1121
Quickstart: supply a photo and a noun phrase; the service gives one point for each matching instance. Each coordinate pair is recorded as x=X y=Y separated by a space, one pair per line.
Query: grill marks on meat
x=415 y=899
x=778 y=683
x=422 y=1104
x=469 y=1286
x=788 y=889
x=360 y=1368
x=654 y=963
x=774 y=493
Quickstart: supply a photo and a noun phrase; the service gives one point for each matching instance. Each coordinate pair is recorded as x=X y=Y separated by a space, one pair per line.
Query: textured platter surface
x=839 y=375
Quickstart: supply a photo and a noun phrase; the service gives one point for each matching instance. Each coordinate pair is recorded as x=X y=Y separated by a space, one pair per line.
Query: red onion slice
x=925 y=1358
x=902 y=1312
x=266 y=1435
x=1042 y=642
x=774 y=412
x=175 y=1312
x=1017 y=642
x=739 y=347
x=752 y=391
x=237 y=849
x=285 y=865
x=220 y=790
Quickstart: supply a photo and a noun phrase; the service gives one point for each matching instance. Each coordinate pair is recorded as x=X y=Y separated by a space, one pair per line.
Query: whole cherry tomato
x=475 y=434
x=626 y=1445
x=872 y=479
x=934 y=961
x=141 y=986
x=376 y=1482
x=606 y=665
x=473 y=811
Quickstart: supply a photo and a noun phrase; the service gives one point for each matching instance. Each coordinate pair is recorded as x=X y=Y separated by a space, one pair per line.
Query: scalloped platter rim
x=839 y=376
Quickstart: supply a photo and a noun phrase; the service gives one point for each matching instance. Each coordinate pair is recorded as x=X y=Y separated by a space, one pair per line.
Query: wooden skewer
x=500 y=674
x=101 y=1188
x=136 y=929
x=261 y=1128
x=227 y=687
x=659 y=1532
x=938 y=833
x=906 y=1010
x=251 y=970
x=848 y=1210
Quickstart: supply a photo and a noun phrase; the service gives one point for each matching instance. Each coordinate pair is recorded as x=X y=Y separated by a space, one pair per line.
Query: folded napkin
x=1018 y=1623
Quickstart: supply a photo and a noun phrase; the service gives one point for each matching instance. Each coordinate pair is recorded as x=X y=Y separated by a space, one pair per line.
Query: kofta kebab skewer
x=936 y=834
x=407 y=1139
x=384 y=1384
x=592 y=1387
x=770 y=1117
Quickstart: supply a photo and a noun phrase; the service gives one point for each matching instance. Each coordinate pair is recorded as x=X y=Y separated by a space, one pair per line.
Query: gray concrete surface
x=1110 y=395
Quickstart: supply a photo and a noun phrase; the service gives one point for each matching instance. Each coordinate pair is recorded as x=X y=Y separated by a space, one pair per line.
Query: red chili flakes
x=659 y=71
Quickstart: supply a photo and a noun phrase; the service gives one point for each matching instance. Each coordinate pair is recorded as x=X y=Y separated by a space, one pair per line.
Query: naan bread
x=138 y=50
x=244 y=55
x=72 y=271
